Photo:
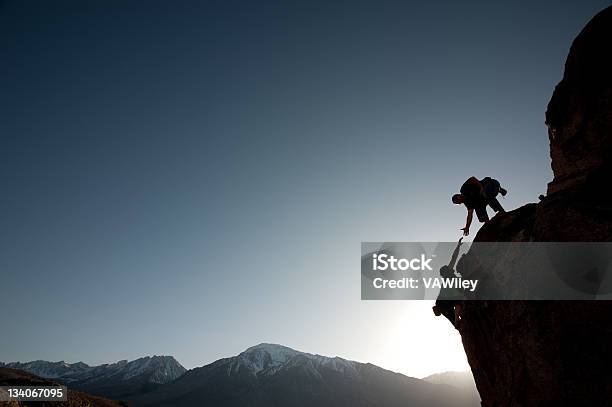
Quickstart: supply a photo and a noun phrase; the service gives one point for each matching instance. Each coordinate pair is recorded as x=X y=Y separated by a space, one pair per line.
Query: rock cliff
x=552 y=353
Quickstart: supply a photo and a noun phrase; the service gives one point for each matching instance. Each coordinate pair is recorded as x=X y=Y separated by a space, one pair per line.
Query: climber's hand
x=466 y=231
x=503 y=192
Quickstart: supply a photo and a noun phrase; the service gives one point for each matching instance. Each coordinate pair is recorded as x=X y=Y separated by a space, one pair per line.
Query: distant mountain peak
x=269 y=359
x=265 y=346
x=262 y=357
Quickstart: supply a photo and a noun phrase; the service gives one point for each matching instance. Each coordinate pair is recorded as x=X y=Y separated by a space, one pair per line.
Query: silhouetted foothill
x=13 y=377
x=545 y=353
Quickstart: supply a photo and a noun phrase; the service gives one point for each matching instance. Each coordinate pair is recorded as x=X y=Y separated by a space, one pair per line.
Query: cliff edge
x=551 y=353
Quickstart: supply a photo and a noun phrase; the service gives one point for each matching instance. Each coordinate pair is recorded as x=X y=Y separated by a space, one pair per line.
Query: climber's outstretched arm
x=468 y=222
x=453 y=260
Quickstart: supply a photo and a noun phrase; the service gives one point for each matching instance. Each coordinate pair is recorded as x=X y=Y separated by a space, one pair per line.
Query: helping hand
x=466 y=231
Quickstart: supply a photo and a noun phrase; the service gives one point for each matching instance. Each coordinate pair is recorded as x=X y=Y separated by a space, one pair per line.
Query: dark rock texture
x=553 y=353
x=579 y=114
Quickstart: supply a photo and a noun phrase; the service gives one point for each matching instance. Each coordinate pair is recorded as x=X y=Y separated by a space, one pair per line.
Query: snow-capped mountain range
x=262 y=375
x=268 y=359
x=275 y=375
x=113 y=380
x=49 y=370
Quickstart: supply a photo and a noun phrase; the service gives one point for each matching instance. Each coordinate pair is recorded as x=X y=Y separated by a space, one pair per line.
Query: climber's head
x=458 y=199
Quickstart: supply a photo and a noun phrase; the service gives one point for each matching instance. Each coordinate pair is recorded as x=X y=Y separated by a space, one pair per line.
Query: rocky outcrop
x=553 y=353
x=579 y=115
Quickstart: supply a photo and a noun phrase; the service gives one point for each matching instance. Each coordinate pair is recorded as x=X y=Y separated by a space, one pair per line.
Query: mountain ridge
x=276 y=375
x=265 y=374
x=113 y=380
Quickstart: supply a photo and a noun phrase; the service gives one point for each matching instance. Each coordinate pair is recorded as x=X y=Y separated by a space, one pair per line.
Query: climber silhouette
x=447 y=301
x=476 y=195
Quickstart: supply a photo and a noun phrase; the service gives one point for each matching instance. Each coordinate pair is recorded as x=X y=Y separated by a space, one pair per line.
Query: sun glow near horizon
x=419 y=344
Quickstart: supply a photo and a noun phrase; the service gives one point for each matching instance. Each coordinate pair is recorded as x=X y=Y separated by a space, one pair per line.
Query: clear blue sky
x=193 y=178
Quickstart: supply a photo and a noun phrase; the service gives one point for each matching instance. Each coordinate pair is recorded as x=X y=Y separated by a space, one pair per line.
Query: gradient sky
x=193 y=178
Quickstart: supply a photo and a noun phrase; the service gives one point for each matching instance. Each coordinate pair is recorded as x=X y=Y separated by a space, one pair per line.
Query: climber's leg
x=495 y=205
x=481 y=212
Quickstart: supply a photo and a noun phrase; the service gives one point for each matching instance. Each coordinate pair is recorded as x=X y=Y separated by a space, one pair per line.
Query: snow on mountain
x=268 y=359
x=152 y=369
x=162 y=369
x=274 y=375
x=263 y=357
x=50 y=370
